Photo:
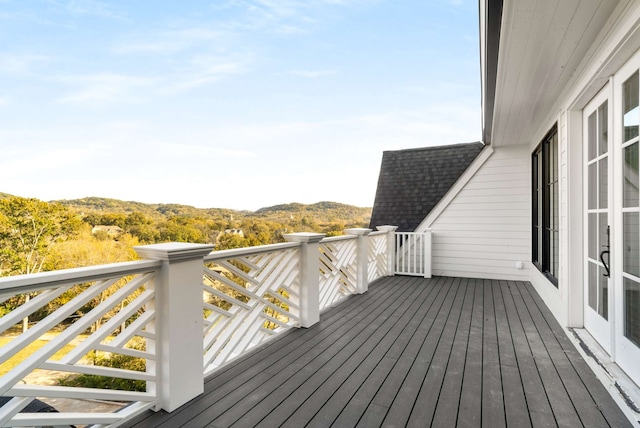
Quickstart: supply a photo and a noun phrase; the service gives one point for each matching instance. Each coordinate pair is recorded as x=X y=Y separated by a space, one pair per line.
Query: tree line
x=40 y=236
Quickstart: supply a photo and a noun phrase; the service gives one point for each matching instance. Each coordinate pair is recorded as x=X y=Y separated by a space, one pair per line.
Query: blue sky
x=232 y=104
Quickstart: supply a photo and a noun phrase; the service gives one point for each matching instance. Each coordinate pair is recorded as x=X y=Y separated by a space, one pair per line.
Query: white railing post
x=427 y=253
x=309 y=275
x=391 y=247
x=178 y=321
x=362 y=271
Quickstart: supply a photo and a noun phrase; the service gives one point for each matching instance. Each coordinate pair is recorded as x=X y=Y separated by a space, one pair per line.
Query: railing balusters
x=413 y=253
x=194 y=310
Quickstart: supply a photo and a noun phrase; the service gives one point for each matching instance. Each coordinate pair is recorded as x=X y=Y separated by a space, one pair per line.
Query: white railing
x=250 y=294
x=338 y=269
x=413 y=253
x=117 y=302
x=378 y=255
x=184 y=312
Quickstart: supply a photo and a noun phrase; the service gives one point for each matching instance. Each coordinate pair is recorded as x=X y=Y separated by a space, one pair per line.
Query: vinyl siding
x=486 y=228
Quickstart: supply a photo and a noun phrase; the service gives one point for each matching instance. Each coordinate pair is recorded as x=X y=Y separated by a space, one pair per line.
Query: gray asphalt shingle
x=412 y=181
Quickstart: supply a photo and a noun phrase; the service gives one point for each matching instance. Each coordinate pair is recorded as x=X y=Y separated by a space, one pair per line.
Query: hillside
x=321 y=212
x=153 y=223
x=107 y=205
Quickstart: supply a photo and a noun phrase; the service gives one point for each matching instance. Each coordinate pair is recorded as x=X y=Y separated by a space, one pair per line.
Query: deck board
x=470 y=405
x=515 y=402
x=410 y=352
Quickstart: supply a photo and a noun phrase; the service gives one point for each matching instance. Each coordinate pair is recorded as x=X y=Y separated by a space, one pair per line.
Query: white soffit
x=542 y=44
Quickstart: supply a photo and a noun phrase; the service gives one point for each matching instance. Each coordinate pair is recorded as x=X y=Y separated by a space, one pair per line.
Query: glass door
x=628 y=280
x=597 y=219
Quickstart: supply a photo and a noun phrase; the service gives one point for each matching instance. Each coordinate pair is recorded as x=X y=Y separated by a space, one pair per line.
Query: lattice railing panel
x=338 y=268
x=80 y=319
x=377 y=252
x=248 y=298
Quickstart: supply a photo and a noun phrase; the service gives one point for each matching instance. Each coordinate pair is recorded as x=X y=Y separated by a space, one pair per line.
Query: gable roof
x=412 y=181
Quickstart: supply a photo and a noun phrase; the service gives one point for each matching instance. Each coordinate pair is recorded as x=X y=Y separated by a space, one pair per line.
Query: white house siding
x=485 y=230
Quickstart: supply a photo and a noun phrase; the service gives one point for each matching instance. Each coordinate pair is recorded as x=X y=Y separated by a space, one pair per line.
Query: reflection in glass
x=632 y=310
x=603 y=128
x=603 y=293
x=553 y=210
x=592 y=137
x=603 y=238
x=631 y=118
x=593 y=236
x=593 y=286
x=631 y=244
x=630 y=171
x=603 y=167
x=593 y=189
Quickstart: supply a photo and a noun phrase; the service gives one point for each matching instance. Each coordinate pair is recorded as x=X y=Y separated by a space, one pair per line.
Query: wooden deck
x=439 y=352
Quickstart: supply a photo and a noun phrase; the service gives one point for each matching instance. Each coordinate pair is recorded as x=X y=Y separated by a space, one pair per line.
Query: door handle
x=606 y=266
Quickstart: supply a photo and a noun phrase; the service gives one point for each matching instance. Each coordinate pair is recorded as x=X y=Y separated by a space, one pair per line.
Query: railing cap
x=307 y=237
x=358 y=231
x=172 y=251
x=387 y=228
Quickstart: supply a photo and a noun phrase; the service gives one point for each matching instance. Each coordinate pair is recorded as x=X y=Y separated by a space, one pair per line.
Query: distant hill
x=107 y=205
x=320 y=211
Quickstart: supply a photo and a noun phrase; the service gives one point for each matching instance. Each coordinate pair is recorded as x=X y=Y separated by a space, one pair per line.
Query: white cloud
x=87 y=7
x=199 y=151
x=22 y=64
x=204 y=69
x=17 y=164
x=284 y=16
x=106 y=87
x=313 y=73
x=171 y=42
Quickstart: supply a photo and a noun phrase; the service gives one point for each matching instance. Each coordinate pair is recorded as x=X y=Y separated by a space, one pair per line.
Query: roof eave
x=490 y=24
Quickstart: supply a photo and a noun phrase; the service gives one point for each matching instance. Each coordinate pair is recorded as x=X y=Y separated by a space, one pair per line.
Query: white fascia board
x=460 y=183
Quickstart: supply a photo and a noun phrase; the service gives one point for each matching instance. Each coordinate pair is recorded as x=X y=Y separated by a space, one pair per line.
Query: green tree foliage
x=104 y=382
x=29 y=228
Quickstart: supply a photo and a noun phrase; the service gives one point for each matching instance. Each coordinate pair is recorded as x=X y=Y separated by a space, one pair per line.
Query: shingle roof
x=412 y=182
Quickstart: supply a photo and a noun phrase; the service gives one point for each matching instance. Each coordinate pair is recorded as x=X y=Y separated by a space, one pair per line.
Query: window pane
x=540 y=245
x=603 y=293
x=631 y=117
x=603 y=238
x=593 y=286
x=632 y=310
x=555 y=254
x=631 y=244
x=592 y=131
x=593 y=236
x=554 y=214
x=546 y=206
x=603 y=128
x=593 y=186
x=630 y=171
x=603 y=189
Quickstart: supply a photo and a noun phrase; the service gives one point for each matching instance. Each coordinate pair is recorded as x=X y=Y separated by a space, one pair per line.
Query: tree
x=28 y=230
